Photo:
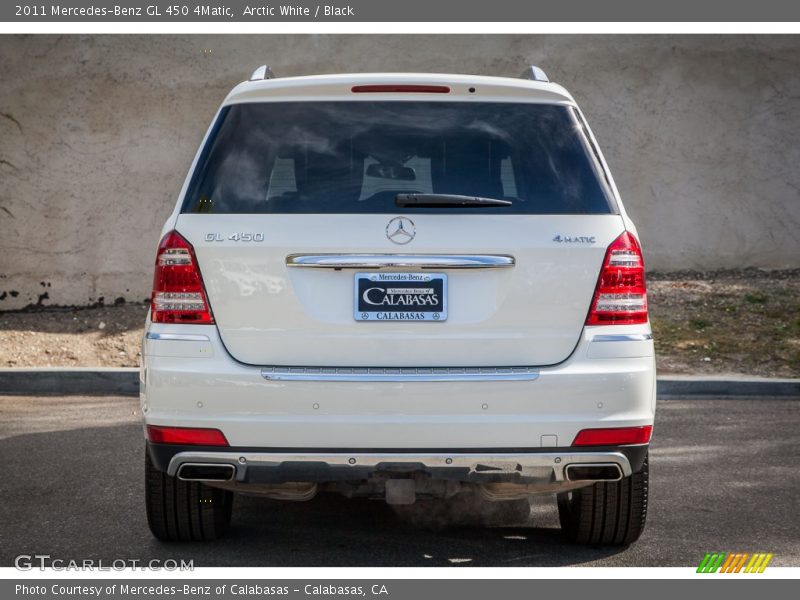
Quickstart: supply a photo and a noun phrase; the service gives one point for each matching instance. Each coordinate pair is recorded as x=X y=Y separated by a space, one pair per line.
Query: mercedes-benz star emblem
x=401 y=230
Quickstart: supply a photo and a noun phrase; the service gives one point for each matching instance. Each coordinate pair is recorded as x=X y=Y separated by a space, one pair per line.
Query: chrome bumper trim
x=183 y=337
x=623 y=337
x=404 y=261
x=400 y=373
x=548 y=465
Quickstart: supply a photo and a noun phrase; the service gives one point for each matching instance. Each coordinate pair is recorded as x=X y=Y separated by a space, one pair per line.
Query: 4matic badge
x=575 y=239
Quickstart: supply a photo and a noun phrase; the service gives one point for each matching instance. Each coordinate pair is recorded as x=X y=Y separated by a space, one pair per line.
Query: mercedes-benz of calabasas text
x=410 y=287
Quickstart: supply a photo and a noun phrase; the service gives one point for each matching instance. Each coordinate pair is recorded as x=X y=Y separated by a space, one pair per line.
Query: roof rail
x=534 y=73
x=261 y=73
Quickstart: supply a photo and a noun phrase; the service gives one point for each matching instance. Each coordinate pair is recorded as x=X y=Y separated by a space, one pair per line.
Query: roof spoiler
x=532 y=72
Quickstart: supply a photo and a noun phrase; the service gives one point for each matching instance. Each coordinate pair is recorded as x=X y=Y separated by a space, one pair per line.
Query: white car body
x=510 y=378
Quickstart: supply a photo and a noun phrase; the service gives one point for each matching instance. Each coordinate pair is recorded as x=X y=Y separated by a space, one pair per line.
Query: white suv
x=400 y=286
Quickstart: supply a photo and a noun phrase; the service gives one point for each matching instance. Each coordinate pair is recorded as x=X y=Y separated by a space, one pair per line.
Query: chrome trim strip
x=623 y=337
x=183 y=337
x=405 y=261
x=478 y=462
x=400 y=373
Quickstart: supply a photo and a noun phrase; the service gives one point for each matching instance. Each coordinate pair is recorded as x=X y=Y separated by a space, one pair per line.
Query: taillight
x=614 y=436
x=178 y=293
x=620 y=297
x=195 y=436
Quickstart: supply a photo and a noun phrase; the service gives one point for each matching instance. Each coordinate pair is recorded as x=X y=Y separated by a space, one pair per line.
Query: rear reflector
x=178 y=294
x=409 y=89
x=186 y=435
x=620 y=297
x=616 y=436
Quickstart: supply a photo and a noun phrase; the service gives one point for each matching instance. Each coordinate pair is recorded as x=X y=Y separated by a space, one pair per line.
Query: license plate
x=400 y=297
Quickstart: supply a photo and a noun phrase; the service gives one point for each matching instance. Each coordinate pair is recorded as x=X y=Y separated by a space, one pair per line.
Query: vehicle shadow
x=71 y=485
x=331 y=530
x=77 y=493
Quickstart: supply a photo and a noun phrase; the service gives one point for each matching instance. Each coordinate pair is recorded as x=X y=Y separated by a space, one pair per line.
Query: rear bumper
x=542 y=466
x=195 y=383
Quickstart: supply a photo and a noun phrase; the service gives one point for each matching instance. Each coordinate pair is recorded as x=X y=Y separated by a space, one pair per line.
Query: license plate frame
x=415 y=305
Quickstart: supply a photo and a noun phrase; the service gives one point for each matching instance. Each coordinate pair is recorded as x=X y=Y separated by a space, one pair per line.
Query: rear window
x=356 y=157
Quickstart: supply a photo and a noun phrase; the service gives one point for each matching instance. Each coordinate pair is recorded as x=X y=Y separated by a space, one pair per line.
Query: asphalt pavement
x=724 y=477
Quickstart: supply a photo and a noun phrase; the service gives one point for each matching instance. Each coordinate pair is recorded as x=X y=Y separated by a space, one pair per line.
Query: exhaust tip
x=597 y=472
x=200 y=472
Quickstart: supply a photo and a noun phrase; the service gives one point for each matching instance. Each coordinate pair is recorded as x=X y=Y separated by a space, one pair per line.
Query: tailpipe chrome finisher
x=593 y=472
x=206 y=472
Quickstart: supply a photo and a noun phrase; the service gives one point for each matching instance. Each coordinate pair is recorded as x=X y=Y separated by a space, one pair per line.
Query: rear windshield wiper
x=447 y=201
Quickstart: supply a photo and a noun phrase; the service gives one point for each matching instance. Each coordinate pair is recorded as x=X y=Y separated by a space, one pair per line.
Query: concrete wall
x=97 y=132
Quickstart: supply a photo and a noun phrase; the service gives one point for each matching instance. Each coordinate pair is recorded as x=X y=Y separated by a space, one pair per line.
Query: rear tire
x=183 y=510
x=606 y=514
